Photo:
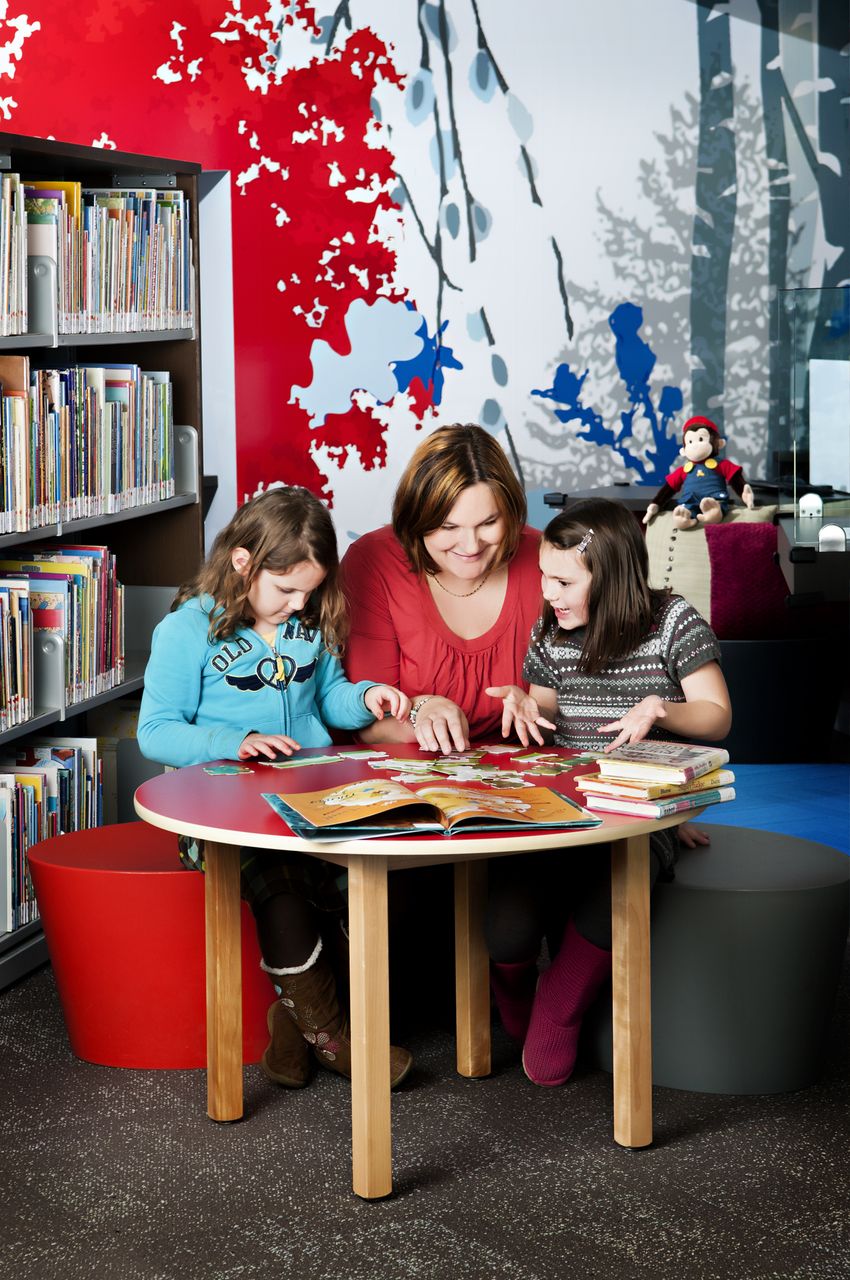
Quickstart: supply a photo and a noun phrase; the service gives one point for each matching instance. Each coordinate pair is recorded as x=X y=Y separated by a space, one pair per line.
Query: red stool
x=124 y=925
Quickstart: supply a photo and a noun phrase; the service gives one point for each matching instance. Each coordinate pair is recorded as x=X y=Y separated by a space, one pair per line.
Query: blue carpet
x=808 y=800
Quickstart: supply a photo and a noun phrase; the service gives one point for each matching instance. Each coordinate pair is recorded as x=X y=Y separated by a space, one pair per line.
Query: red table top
x=228 y=807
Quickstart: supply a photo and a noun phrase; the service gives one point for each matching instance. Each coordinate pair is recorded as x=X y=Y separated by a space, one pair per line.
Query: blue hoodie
x=202 y=699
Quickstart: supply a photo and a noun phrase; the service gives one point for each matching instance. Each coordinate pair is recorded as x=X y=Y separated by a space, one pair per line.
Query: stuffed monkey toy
x=703 y=482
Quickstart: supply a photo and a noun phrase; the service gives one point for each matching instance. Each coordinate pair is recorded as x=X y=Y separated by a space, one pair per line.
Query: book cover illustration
x=659 y=761
x=379 y=806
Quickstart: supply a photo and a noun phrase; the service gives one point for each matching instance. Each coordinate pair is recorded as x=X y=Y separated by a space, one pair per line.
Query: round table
x=227 y=811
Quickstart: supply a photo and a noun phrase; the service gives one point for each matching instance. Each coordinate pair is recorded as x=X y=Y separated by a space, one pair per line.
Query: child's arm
x=706 y=712
x=526 y=711
x=167 y=732
x=353 y=706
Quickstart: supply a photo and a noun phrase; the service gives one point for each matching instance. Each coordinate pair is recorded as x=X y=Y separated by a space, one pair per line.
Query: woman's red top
x=398 y=636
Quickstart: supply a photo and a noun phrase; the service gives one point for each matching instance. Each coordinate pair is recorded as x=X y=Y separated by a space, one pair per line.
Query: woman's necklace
x=462 y=595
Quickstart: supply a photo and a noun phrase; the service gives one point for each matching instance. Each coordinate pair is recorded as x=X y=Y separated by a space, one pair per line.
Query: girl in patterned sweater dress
x=610 y=661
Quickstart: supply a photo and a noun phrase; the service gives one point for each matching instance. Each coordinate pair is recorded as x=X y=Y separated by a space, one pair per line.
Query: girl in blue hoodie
x=247 y=664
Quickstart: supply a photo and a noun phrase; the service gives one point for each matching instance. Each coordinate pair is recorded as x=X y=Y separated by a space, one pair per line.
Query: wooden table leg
x=371 y=1137
x=224 y=982
x=631 y=992
x=472 y=970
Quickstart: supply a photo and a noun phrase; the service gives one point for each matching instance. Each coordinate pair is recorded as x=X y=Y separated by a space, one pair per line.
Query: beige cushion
x=678 y=558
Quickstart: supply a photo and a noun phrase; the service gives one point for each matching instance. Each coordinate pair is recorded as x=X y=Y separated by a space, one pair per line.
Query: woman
x=442 y=601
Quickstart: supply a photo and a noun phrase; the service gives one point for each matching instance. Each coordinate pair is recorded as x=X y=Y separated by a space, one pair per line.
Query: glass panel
x=814 y=335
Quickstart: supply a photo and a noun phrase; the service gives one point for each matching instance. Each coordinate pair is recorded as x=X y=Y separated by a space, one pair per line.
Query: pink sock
x=564 y=993
x=513 y=990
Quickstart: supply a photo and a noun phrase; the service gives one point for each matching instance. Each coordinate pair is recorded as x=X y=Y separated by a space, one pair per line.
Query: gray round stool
x=747 y=948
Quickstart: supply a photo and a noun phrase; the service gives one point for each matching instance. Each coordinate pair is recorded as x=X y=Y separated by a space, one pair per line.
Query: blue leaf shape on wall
x=500 y=370
x=432 y=22
x=429 y=364
x=482 y=78
x=451 y=217
x=481 y=220
x=491 y=412
x=419 y=98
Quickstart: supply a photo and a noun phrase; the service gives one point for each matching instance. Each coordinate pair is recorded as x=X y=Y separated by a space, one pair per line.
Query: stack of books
x=653 y=779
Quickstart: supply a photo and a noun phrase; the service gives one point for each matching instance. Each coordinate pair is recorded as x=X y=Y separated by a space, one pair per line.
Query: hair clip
x=582 y=546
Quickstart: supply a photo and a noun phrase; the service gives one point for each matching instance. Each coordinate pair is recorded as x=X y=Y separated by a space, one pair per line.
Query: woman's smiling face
x=565 y=582
x=467 y=542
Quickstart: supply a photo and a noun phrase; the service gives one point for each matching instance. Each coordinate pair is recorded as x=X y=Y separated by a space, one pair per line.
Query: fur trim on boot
x=311 y=999
x=564 y=994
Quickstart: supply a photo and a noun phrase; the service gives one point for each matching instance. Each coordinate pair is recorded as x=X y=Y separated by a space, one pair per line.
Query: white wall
x=219 y=397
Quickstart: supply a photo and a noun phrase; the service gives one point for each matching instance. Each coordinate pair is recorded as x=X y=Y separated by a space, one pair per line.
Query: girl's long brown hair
x=621 y=603
x=281 y=528
x=448 y=461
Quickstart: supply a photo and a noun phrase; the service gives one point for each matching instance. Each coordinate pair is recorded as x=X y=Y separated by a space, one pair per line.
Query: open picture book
x=381 y=807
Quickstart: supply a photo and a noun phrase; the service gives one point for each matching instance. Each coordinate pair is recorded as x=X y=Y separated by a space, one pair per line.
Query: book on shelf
x=16 y=442
x=381 y=807
x=25 y=810
x=13 y=256
x=79 y=598
x=635 y=789
x=653 y=760
x=47 y=787
x=7 y=821
x=661 y=808
x=16 y=652
x=61 y=198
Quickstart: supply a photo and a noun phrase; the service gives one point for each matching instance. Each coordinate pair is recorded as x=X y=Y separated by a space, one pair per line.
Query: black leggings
x=532 y=895
x=288 y=930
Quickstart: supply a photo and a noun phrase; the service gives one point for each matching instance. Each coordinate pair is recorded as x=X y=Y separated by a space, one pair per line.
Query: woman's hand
x=636 y=723
x=691 y=836
x=441 y=725
x=384 y=695
x=521 y=712
x=267 y=744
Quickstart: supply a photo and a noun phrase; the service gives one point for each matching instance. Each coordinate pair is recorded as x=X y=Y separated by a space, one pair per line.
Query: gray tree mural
x=639 y=426
x=716 y=200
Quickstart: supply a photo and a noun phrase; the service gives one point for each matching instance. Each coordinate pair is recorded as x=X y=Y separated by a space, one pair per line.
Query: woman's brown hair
x=621 y=604
x=448 y=461
x=280 y=529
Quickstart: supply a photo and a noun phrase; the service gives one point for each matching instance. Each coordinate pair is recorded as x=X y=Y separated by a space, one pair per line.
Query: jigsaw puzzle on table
x=431 y=795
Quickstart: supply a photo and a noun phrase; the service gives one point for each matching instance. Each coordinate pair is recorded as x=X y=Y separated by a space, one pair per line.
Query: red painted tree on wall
x=291 y=120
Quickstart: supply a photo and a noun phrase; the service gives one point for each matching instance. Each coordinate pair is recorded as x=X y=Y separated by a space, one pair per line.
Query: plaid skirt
x=267 y=872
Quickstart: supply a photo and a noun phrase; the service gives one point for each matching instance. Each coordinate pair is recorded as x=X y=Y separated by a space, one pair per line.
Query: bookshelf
x=157 y=545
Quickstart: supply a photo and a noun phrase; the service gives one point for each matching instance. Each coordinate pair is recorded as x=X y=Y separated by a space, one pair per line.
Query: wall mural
x=558 y=225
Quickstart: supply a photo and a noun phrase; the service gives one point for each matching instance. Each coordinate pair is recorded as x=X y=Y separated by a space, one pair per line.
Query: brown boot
x=312 y=1001
x=287 y=1058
